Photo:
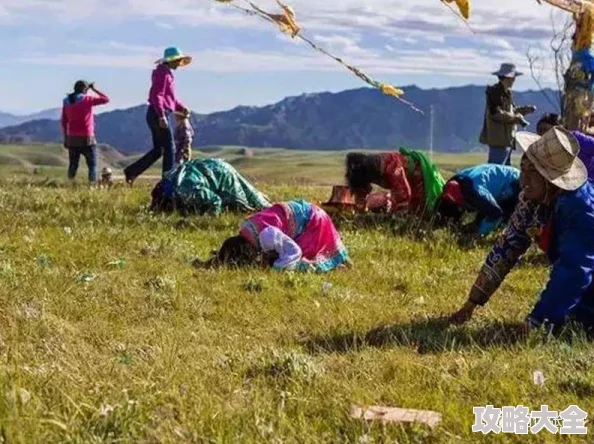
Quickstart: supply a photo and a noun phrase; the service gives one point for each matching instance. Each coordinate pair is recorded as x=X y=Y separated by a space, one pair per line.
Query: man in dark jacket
x=502 y=116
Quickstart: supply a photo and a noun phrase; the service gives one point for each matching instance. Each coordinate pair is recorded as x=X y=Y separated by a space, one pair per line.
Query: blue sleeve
x=488 y=206
x=571 y=274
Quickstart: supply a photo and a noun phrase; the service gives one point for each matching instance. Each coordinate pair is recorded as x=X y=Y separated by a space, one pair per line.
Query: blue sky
x=241 y=60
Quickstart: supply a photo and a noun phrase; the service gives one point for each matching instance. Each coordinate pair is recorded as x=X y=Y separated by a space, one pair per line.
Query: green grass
x=107 y=334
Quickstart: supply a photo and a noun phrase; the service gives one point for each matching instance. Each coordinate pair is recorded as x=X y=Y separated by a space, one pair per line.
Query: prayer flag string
x=287 y=23
x=463 y=12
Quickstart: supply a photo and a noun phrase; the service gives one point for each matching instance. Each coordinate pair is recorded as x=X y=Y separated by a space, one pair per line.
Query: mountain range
x=8 y=119
x=353 y=119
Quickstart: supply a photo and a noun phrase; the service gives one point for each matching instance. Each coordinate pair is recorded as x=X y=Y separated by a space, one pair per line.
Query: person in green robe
x=206 y=186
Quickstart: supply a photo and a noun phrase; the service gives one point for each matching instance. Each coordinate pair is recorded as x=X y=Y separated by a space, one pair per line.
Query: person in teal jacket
x=489 y=190
x=210 y=186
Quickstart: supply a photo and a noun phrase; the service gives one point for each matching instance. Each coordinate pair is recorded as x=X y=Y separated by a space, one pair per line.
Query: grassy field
x=271 y=165
x=107 y=333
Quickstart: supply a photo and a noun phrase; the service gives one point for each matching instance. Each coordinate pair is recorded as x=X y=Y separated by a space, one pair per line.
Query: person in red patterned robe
x=391 y=171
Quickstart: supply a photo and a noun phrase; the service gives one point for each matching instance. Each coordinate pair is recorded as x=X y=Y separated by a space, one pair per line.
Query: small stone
x=105 y=410
x=24 y=395
x=538 y=377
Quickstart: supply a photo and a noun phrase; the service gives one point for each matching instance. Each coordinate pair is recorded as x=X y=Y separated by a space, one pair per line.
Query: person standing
x=162 y=102
x=78 y=126
x=502 y=116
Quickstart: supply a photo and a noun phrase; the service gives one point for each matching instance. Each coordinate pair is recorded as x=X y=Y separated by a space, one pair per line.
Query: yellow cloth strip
x=463 y=7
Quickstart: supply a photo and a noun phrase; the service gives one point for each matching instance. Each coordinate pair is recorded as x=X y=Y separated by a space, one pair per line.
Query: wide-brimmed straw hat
x=555 y=157
x=508 y=70
x=174 y=54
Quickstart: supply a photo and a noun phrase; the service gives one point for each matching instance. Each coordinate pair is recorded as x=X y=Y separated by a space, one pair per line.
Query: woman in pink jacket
x=78 y=125
x=162 y=102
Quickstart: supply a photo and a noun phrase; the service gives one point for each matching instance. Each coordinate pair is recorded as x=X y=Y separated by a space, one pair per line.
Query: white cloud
x=439 y=61
x=343 y=44
x=408 y=37
x=396 y=16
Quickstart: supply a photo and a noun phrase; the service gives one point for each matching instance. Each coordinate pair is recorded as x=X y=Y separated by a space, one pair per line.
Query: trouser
x=500 y=155
x=90 y=155
x=162 y=146
x=583 y=313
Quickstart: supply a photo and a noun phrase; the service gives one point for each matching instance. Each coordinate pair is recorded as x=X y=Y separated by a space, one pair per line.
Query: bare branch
x=557 y=60
x=534 y=62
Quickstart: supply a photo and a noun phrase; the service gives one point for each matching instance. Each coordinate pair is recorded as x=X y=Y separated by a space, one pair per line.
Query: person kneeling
x=203 y=186
x=489 y=190
x=557 y=209
x=413 y=181
x=295 y=235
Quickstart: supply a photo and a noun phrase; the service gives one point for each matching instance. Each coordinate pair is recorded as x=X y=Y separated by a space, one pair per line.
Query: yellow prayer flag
x=391 y=90
x=286 y=21
x=463 y=7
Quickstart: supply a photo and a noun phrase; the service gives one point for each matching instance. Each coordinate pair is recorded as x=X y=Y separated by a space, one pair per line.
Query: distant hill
x=7 y=119
x=353 y=119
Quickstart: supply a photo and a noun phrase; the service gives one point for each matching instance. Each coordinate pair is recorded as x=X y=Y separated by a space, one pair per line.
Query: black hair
x=237 y=251
x=549 y=119
x=362 y=170
x=79 y=87
x=448 y=212
x=160 y=202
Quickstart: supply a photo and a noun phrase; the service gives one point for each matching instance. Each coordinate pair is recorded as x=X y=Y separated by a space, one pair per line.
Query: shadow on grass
x=427 y=336
x=415 y=228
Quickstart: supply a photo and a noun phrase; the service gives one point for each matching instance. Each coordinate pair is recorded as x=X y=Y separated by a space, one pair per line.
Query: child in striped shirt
x=183 y=135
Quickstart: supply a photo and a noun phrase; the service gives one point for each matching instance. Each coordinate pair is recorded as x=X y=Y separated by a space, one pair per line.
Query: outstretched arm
x=510 y=247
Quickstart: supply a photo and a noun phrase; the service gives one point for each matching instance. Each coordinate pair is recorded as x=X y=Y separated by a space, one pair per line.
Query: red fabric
x=78 y=119
x=406 y=191
x=320 y=242
x=453 y=192
x=379 y=200
x=544 y=240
